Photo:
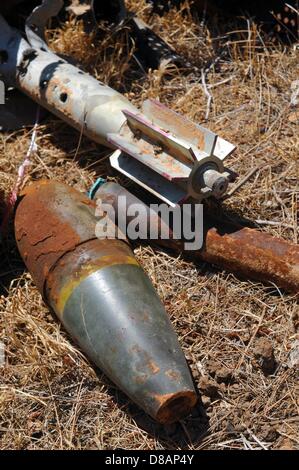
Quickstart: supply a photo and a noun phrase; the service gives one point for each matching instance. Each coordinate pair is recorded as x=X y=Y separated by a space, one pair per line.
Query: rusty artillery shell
x=103 y=298
x=242 y=250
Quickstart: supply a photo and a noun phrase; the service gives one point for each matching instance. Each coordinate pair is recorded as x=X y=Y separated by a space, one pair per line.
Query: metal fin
x=170 y=149
x=147 y=179
x=174 y=145
x=36 y=22
x=158 y=160
x=170 y=121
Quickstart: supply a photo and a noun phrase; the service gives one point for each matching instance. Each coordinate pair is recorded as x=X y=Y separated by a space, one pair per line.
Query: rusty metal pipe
x=103 y=298
x=242 y=250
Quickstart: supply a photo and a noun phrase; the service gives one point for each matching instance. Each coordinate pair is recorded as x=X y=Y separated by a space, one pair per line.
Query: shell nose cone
x=118 y=319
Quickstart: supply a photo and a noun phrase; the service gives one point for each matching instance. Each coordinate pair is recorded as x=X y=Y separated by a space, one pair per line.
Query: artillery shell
x=103 y=298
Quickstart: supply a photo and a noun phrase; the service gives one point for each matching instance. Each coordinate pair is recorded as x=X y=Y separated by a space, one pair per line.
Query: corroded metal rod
x=242 y=250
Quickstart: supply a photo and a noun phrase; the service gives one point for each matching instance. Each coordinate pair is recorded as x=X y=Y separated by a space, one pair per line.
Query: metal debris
x=104 y=299
x=170 y=156
x=36 y=23
x=173 y=158
x=242 y=250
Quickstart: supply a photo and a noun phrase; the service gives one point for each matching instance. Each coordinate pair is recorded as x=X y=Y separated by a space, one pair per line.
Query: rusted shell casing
x=242 y=250
x=104 y=299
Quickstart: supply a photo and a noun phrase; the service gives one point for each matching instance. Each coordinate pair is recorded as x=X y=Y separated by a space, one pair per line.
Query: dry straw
x=50 y=396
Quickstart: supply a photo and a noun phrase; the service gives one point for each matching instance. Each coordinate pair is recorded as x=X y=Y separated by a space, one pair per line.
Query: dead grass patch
x=51 y=397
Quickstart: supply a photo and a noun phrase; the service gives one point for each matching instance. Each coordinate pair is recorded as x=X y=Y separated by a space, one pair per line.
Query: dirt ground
x=240 y=337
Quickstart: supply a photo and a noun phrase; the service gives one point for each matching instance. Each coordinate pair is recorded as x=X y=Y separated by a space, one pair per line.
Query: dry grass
x=51 y=397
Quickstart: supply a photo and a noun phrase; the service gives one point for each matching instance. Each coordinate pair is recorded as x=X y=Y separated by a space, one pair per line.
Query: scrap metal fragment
x=245 y=251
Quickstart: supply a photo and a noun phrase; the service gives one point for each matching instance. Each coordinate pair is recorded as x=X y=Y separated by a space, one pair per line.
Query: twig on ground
x=242 y=181
x=273 y=223
x=207 y=93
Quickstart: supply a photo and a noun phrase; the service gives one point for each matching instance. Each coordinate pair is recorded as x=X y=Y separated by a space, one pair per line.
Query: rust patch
x=146 y=148
x=141 y=379
x=173 y=375
x=144 y=364
x=171 y=121
x=174 y=406
x=254 y=254
x=152 y=366
x=47 y=225
x=41 y=236
x=144 y=316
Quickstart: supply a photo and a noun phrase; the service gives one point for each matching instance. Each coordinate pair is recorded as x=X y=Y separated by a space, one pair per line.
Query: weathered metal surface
x=36 y=22
x=82 y=101
x=242 y=250
x=251 y=253
x=163 y=163
x=197 y=135
x=46 y=227
x=141 y=174
x=110 y=192
x=119 y=320
x=78 y=264
x=174 y=148
x=103 y=298
x=169 y=145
